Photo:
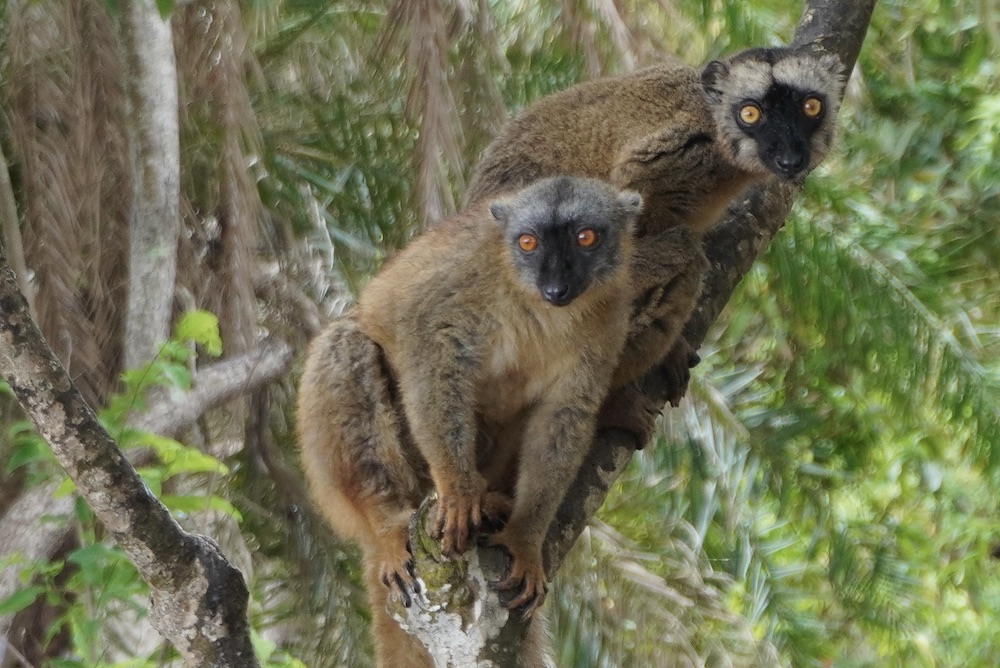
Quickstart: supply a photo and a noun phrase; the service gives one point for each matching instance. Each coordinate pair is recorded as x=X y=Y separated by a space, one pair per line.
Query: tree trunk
x=155 y=154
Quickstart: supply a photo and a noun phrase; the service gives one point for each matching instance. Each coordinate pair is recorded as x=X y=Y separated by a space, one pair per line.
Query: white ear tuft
x=832 y=64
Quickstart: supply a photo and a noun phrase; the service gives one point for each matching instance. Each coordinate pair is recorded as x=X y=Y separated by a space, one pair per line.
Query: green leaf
x=176 y=457
x=262 y=646
x=197 y=504
x=20 y=599
x=153 y=476
x=89 y=557
x=201 y=327
x=175 y=375
x=192 y=460
x=28 y=451
x=67 y=486
x=165 y=7
x=174 y=351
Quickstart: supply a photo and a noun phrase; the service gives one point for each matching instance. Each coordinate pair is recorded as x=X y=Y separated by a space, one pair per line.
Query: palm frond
x=220 y=136
x=877 y=323
x=428 y=28
x=69 y=154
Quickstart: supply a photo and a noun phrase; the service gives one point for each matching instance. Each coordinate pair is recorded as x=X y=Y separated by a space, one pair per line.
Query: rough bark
x=22 y=530
x=199 y=600
x=155 y=155
x=833 y=26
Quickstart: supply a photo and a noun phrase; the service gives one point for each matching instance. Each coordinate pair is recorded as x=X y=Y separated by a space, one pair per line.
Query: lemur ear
x=631 y=201
x=500 y=210
x=832 y=64
x=713 y=77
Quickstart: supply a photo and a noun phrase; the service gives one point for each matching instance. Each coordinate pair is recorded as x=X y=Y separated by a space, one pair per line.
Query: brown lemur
x=475 y=364
x=689 y=142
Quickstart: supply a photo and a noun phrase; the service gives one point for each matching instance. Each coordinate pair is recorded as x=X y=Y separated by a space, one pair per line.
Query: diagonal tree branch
x=22 y=529
x=199 y=600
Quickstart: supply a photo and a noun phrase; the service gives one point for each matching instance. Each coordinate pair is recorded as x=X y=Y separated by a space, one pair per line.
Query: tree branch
x=198 y=599
x=216 y=384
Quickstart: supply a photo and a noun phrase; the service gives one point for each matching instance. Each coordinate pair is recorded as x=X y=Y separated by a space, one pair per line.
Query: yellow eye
x=586 y=238
x=812 y=107
x=527 y=242
x=750 y=114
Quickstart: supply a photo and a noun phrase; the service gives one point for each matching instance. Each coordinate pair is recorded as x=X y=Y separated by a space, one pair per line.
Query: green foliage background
x=827 y=496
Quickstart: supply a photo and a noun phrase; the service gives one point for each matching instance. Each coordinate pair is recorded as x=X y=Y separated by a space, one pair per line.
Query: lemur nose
x=556 y=294
x=790 y=163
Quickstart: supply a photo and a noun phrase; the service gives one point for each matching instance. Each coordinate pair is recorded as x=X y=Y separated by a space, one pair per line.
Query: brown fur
x=500 y=392
x=659 y=131
x=649 y=131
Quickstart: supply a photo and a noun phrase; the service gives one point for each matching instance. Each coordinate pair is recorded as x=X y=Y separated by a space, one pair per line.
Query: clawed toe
x=522 y=594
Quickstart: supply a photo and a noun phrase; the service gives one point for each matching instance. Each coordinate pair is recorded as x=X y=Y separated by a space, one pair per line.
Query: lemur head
x=775 y=109
x=565 y=234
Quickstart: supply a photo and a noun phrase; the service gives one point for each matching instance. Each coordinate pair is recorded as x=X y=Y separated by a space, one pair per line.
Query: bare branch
x=216 y=384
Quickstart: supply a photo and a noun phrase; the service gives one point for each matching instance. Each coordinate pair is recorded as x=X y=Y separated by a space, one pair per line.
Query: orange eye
x=586 y=238
x=812 y=107
x=750 y=114
x=527 y=242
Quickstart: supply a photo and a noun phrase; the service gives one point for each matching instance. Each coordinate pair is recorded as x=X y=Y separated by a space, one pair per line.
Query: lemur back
x=688 y=141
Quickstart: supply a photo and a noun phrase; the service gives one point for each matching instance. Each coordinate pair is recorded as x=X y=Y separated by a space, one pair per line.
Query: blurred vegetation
x=827 y=495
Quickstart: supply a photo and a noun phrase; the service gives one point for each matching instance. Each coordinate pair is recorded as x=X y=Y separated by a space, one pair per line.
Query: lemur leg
x=394 y=647
x=362 y=470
